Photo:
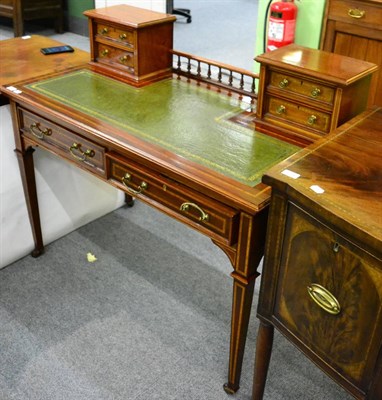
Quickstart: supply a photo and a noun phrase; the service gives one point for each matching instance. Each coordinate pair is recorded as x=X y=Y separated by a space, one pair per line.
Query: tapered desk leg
x=263 y=355
x=129 y=200
x=250 y=250
x=27 y=173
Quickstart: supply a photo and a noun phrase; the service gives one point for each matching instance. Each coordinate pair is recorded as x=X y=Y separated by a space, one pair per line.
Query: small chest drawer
x=203 y=213
x=115 y=57
x=63 y=142
x=329 y=295
x=356 y=12
x=304 y=116
x=311 y=90
x=122 y=36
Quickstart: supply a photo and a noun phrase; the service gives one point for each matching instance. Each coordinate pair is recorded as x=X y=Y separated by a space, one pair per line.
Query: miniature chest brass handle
x=356 y=13
x=280 y=109
x=186 y=206
x=38 y=132
x=323 y=298
x=104 y=52
x=123 y=59
x=76 y=147
x=312 y=119
x=315 y=92
x=105 y=31
x=284 y=83
x=141 y=188
x=123 y=36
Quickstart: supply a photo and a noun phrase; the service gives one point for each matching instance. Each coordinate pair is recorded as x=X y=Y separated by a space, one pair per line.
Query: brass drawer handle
x=280 y=109
x=284 y=83
x=83 y=154
x=124 y=58
x=315 y=92
x=323 y=298
x=38 y=132
x=123 y=36
x=104 y=52
x=186 y=206
x=356 y=13
x=141 y=188
x=312 y=119
x=104 y=31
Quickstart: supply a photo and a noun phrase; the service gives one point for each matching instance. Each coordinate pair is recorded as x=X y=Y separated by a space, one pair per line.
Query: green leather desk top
x=189 y=120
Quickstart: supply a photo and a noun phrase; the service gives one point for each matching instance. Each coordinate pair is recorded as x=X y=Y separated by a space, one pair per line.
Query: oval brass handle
x=83 y=154
x=142 y=187
x=186 y=206
x=280 y=109
x=356 y=13
x=324 y=298
x=105 y=31
x=284 y=83
x=123 y=36
x=124 y=58
x=315 y=92
x=312 y=119
x=104 y=52
x=38 y=132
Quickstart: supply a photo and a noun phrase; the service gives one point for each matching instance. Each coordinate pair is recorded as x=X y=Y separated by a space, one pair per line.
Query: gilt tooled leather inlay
x=189 y=120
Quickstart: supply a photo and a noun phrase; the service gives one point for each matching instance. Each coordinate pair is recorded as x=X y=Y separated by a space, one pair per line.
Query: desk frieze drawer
x=63 y=142
x=304 y=116
x=312 y=90
x=203 y=213
x=122 y=36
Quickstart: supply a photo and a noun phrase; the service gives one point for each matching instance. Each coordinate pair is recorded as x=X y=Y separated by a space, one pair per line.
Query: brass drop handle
x=76 y=147
x=281 y=109
x=105 y=31
x=124 y=58
x=104 y=52
x=203 y=215
x=356 y=13
x=324 y=299
x=284 y=83
x=312 y=119
x=38 y=132
x=123 y=36
x=141 y=188
x=315 y=92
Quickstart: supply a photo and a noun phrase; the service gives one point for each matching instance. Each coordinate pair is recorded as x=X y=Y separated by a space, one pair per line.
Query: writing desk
x=173 y=144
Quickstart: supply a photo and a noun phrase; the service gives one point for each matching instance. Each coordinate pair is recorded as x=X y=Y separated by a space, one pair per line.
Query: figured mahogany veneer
x=322 y=274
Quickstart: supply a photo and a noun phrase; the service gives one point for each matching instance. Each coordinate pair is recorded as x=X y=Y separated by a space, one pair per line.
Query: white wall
x=155 y=5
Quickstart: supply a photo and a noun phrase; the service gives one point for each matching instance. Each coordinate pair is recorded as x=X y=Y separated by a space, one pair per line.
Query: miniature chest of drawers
x=131 y=42
x=306 y=93
x=322 y=274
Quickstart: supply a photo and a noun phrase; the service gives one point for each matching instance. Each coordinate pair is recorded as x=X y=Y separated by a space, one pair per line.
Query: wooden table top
x=342 y=174
x=31 y=62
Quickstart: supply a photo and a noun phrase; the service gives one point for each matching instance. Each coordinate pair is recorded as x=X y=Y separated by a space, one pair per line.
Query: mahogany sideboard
x=322 y=275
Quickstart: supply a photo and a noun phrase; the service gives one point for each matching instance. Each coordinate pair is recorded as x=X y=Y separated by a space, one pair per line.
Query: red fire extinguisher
x=282 y=24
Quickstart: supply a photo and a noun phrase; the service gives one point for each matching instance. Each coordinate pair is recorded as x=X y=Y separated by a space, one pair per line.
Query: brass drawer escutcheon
x=356 y=13
x=186 y=206
x=324 y=299
x=141 y=188
x=38 y=132
x=83 y=154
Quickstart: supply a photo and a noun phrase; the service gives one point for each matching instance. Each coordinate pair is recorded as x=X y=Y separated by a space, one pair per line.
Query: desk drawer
x=312 y=90
x=122 y=36
x=115 y=57
x=329 y=296
x=304 y=116
x=203 y=213
x=63 y=142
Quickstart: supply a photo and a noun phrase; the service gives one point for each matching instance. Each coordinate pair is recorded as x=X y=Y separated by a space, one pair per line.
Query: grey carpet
x=148 y=320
